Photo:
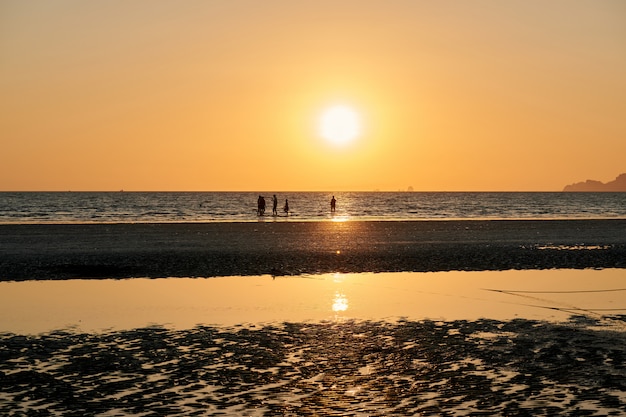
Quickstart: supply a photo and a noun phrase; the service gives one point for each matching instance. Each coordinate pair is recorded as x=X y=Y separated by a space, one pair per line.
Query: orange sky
x=226 y=95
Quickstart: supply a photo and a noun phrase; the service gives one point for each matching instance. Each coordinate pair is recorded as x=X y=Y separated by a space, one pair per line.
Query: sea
x=202 y=207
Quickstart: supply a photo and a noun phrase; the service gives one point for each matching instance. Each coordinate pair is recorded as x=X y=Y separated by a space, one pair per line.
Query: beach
x=482 y=367
x=289 y=318
x=290 y=248
x=519 y=343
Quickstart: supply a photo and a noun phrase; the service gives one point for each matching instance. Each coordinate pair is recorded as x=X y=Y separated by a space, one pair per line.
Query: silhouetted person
x=286 y=208
x=261 y=206
x=333 y=203
x=275 y=206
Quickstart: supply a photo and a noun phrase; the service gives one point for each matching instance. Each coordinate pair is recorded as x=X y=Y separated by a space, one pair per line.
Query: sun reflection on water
x=34 y=307
x=340 y=302
x=337 y=277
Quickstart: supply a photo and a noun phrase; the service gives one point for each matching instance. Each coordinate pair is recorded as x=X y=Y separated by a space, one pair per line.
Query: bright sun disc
x=339 y=125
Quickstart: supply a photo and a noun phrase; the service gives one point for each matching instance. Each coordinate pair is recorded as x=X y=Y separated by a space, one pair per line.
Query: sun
x=340 y=125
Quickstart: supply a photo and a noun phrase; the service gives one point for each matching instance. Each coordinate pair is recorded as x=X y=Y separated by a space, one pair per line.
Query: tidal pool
x=33 y=307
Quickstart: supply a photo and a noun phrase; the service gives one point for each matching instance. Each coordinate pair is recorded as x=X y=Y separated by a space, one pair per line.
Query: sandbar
x=292 y=248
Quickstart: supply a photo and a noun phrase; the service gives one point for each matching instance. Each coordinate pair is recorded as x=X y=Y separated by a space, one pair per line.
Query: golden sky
x=227 y=95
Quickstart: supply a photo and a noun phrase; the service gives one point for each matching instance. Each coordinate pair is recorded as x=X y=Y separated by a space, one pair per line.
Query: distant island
x=618 y=184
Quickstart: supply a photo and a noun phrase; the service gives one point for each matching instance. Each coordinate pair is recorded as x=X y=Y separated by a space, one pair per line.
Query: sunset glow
x=239 y=96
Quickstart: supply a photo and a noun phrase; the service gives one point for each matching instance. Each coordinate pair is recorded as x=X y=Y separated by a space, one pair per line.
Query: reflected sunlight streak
x=340 y=302
x=338 y=277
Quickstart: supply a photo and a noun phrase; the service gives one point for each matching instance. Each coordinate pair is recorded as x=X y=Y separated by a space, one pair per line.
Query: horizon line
x=298 y=191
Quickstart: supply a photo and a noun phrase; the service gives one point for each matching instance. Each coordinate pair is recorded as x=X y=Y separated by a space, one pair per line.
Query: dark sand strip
x=287 y=248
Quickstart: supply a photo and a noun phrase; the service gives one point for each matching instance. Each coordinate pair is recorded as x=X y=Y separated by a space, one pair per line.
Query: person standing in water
x=260 y=206
x=333 y=203
x=286 y=208
x=275 y=206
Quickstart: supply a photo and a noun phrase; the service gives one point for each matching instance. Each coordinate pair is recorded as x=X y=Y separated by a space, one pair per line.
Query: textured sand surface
x=484 y=367
x=518 y=367
x=289 y=248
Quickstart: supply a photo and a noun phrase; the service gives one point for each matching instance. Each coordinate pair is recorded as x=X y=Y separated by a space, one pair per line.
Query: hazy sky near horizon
x=227 y=95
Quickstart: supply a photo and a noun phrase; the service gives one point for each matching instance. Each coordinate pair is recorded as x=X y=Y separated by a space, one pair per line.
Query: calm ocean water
x=133 y=207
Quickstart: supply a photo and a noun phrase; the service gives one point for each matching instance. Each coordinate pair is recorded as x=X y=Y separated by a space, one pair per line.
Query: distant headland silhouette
x=618 y=184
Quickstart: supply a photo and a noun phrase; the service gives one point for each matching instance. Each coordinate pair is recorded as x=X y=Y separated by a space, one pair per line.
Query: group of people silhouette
x=261 y=206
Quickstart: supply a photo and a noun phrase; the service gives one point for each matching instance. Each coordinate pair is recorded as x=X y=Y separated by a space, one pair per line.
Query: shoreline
x=155 y=250
x=281 y=218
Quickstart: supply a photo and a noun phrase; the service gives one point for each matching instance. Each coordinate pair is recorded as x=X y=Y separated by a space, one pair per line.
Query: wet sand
x=429 y=368
x=355 y=366
x=293 y=248
x=477 y=351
